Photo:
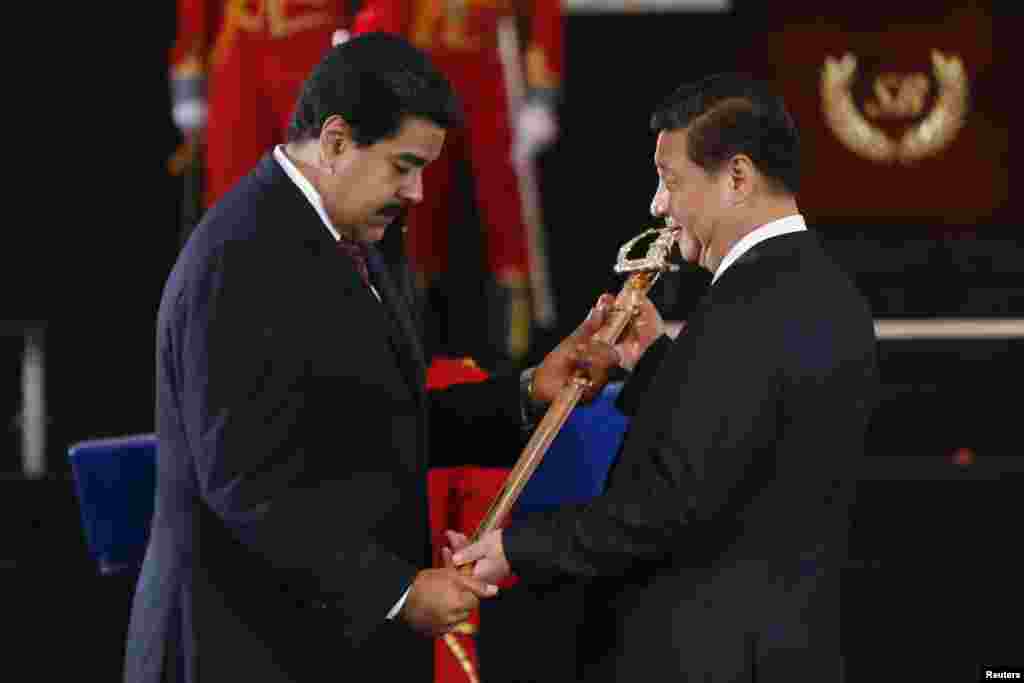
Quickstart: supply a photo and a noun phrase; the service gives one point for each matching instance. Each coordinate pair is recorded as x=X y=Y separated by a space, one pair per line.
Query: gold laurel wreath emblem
x=897 y=96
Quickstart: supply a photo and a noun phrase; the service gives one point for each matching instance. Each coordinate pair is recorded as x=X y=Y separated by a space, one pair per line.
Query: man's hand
x=488 y=553
x=643 y=330
x=440 y=599
x=578 y=351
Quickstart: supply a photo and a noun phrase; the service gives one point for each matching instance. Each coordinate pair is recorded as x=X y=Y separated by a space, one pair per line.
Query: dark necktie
x=357 y=251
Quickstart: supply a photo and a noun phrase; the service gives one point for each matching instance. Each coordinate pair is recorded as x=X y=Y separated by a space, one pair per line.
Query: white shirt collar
x=305 y=187
x=782 y=226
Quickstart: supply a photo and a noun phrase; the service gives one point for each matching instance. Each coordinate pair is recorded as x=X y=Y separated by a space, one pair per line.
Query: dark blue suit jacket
x=715 y=552
x=294 y=436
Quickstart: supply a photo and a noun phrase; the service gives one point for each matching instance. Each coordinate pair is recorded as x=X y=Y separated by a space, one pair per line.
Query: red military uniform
x=459 y=499
x=462 y=39
x=257 y=54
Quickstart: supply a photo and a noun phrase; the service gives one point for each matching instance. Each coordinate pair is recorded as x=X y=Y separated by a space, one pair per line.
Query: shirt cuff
x=398 y=605
x=549 y=97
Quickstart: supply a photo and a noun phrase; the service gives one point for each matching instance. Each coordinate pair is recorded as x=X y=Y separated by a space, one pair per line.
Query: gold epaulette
x=538 y=73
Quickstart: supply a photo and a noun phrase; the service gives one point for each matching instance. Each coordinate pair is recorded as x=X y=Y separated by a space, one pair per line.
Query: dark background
x=88 y=258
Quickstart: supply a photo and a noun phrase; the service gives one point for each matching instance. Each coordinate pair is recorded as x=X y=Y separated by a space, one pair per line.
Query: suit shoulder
x=246 y=213
x=252 y=222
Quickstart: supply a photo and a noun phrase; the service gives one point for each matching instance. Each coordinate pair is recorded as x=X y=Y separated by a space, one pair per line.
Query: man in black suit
x=714 y=554
x=291 y=532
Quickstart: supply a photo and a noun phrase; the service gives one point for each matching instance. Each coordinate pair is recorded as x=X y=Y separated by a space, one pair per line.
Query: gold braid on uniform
x=459 y=652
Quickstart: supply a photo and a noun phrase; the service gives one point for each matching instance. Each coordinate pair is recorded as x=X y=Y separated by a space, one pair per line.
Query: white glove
x=536 y=129
x=340 y=36
x=188 y=108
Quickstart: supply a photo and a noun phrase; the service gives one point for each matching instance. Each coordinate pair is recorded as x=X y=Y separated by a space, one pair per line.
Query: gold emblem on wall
x=896 y=97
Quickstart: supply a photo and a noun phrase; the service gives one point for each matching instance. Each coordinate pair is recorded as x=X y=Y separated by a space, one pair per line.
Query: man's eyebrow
x=410 y=158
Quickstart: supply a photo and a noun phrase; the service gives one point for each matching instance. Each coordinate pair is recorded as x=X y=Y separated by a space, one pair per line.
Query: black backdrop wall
x=91 y=259
x=93 y=275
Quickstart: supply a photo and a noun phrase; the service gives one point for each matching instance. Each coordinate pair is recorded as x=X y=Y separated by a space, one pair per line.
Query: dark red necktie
x=356 y=250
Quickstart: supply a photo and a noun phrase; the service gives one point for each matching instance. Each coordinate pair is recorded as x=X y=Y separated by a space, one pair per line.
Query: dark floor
x=932 y=588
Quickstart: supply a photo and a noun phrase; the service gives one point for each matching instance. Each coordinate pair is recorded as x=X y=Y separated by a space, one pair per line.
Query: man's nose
x=658 y=201
x=412 y=190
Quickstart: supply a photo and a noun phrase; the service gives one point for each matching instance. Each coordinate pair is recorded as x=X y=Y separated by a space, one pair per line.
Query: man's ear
x=335 y=138
x=742 y=178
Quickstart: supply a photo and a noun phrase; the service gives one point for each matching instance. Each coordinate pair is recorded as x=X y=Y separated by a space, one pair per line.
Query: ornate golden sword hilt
x=644 y=272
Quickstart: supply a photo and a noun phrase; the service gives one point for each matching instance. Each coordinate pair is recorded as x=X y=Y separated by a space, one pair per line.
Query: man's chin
x=690 y=250
x=374 y=230
x=375 y=233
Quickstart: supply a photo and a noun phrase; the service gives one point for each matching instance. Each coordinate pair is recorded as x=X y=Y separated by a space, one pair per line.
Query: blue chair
x=575 y=467
x=116 y=480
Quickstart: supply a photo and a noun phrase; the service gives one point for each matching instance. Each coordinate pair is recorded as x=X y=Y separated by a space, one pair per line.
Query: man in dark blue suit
x=290 y=532
x=715 y=551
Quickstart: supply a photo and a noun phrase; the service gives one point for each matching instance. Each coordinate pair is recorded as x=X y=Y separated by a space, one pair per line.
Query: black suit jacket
x=714 y=553
x=294 y=434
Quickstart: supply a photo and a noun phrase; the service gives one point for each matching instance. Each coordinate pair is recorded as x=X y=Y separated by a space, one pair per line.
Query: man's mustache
x=393 y=210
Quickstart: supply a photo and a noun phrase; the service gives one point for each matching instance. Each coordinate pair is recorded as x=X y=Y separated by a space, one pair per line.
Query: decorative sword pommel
x=657 y=255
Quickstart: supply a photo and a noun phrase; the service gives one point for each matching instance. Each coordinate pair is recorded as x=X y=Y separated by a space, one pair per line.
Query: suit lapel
x=395 y=317
x=403 y=332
